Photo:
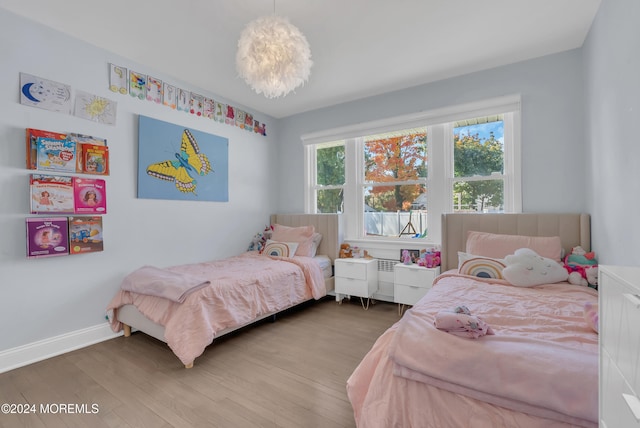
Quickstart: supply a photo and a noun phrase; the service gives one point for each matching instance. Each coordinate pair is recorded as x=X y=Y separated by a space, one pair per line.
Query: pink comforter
x=242 y=288
x=539 y=369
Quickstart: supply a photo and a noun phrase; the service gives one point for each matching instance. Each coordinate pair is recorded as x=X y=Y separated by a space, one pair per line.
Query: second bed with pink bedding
x=532 y=360
x=538 y=369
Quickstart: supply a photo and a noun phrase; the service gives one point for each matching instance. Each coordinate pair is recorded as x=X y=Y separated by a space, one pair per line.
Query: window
x=478 y=159
x=394 y=178
x=328 y=186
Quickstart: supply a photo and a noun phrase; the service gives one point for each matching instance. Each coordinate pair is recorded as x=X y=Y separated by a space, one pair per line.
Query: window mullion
x=353 y=199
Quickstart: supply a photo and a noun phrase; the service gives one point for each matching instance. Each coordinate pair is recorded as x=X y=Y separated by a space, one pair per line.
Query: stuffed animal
x=525 y=268
x=345 y=251
x=582 y=267
x=591 y=315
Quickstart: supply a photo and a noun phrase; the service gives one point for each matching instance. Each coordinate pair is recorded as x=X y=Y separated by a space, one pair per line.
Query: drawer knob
x=634 y=405
x=634 y=299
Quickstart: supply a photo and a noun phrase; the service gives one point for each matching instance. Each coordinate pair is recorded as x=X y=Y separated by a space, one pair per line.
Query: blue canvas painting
x=175 y=162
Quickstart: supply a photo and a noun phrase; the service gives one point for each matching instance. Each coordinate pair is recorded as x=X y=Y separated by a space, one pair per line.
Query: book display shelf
x=73 y=204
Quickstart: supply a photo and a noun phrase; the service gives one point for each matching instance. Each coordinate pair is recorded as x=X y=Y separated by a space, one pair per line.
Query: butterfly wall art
x=179 y=163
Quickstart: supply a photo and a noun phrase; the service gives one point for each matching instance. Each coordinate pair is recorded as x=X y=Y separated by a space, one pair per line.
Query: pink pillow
x=303 y=235
x=499 y=246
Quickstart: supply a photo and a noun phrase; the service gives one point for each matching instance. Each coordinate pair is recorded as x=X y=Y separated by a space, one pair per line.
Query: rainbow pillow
x=280 y=249
x=482 y=267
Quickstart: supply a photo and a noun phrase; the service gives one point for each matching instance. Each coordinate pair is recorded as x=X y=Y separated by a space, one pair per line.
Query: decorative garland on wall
x=145 y=87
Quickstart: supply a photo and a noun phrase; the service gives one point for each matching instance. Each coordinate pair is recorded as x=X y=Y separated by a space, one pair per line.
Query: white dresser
x=411 y=282
x=619 y=326
x=356 y=277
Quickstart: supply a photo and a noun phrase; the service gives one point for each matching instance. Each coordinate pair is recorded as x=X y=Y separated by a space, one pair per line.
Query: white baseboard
x=47 y=348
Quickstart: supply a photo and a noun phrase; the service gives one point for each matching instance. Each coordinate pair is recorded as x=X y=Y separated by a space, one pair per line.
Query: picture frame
x=415 y=255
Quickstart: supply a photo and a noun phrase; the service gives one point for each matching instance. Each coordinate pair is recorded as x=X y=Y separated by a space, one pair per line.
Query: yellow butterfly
x=188 y=160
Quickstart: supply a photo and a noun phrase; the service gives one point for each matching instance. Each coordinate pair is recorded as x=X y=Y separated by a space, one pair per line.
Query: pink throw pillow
x=303 y=235
x=499 y=246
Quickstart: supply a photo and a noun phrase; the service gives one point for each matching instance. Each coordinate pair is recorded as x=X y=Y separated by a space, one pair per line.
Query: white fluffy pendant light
x=273 y=56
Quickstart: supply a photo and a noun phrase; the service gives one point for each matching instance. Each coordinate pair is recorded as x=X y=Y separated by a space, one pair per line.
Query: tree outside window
x=479 y=167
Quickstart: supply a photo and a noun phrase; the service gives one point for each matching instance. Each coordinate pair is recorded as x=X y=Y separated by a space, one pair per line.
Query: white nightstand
x=356 y=277
x=411 y=282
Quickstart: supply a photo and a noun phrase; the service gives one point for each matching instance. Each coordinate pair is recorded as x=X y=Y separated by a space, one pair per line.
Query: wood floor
x=287 y=373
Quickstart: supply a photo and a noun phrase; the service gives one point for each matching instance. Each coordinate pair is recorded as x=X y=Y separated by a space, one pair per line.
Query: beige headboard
x=573 y=230
x=329 y=225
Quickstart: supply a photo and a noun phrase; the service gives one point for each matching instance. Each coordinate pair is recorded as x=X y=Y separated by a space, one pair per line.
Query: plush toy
x=345 y=251
x=582 y=267
x=525 y=268
x=591 y=315
x=260 y=239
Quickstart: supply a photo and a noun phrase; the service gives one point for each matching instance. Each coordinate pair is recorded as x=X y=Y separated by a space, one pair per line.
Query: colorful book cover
x=90 y=195
x=47 y=237
x=32 y=144
x=56 y=155
x=95 y=159
x=51 y=194
x=85 y=234
x=81 y=139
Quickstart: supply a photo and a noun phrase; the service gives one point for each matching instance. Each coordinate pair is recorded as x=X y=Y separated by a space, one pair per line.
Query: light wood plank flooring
x=287 y=373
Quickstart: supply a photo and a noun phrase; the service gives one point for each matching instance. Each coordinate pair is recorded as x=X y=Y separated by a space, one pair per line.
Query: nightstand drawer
x=408 y=294
x=420 y=277
x=353 y=270
x=354 y=287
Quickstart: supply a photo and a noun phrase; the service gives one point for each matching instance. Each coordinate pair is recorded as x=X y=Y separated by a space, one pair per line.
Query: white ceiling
x=359 y=47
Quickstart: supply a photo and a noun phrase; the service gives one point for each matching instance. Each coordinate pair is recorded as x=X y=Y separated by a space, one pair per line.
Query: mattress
x=325 y=265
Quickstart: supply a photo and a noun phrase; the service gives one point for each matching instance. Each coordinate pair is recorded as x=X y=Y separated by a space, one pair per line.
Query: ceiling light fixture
x=273 y=56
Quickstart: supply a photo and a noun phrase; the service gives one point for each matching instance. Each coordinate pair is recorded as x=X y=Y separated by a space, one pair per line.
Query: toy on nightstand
x=582 y=267
x=429 y=258
x=345 y=251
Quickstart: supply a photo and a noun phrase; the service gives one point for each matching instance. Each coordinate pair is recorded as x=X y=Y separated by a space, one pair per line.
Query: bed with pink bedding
x=538 y=368
x=187 y=306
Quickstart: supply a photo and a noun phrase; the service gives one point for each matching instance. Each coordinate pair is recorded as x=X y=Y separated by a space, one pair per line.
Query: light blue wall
x=612 y=86
x=579 y=153
x=48 y=297
x=553 y=138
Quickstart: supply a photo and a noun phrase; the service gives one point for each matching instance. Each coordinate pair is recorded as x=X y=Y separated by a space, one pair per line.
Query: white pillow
x=525 y=268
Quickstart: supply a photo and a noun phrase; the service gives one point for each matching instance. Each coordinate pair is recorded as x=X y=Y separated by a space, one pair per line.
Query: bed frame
x=329 y=225
x=573 y=230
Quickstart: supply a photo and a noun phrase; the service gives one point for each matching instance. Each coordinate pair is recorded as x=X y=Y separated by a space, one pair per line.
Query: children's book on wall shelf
x=90 y=195
x=51 y=194
x=94 y=159
x=32 y=144
x=92 y=154
x=47 y=236
x=56 y=155
x=85 y=234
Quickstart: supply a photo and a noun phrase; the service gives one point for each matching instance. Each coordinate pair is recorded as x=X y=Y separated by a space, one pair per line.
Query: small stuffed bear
x=525 y=268
x=345 y=251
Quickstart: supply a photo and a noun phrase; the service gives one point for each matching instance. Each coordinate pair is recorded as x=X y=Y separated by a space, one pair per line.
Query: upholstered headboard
x=329 y=225
x=573 y=230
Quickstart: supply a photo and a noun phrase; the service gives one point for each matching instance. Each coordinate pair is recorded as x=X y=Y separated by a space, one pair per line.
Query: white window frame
x=439 y=124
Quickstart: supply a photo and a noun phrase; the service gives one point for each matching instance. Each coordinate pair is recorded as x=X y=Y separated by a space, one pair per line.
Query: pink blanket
x=241 y=289
x=154 y=281
x=542 y=360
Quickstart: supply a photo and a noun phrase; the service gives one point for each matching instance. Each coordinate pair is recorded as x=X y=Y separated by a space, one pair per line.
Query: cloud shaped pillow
x=525 y=268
